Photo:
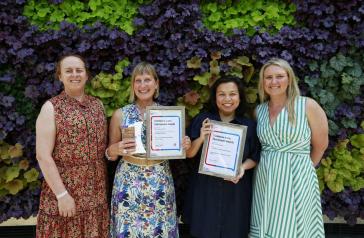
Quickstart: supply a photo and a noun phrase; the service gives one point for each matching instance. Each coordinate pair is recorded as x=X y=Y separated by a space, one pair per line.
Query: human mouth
x=227 y=104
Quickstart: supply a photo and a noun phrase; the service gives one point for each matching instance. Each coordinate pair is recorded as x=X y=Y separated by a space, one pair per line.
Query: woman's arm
x=116 y=145
x=319 y=130
x=45 y=140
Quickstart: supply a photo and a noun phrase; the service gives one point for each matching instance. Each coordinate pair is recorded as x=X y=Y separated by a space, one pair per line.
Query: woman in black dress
x=217 y=208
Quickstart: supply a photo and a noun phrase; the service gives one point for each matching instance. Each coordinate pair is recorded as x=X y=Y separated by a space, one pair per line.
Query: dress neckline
x=273 y=122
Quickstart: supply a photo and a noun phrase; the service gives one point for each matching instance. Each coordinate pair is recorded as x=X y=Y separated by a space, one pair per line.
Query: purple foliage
x=24 y=205
x=347 y=204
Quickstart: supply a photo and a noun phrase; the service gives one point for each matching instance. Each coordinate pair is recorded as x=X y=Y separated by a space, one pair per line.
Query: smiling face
x=227 y=98
x=73 y=75
x=275 y=81
x=145 y=86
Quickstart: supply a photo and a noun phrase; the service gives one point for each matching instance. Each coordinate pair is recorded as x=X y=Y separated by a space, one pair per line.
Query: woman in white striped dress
x=293 y=131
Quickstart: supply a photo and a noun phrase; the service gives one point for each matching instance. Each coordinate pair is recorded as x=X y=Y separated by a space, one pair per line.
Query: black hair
x=240 y=110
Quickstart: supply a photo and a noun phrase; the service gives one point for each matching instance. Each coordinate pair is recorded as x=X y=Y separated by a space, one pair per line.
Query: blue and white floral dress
x=143 y=200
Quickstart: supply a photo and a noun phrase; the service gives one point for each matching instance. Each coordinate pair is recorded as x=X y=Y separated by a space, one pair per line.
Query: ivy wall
x=190 y=43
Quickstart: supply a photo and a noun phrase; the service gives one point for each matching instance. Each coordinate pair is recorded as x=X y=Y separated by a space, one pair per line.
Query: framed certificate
x=223 y=149
x=165 y=132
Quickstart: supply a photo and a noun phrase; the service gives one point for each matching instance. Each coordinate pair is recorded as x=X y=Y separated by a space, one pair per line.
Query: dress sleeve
x=254 y=145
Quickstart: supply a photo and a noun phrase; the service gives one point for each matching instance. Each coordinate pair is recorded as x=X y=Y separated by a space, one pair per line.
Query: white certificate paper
x=223 y=150
x=139 y=148
x=165 y=131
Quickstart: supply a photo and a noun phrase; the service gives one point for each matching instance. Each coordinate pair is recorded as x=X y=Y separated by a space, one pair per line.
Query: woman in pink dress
x=71 y=134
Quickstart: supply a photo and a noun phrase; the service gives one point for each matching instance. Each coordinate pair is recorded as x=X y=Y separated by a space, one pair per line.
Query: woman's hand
x=66 y=206
x=246 y=165
x=186 y=143
x=206 y=129
x=121 y=148
x=126 y=146
x=239 y=176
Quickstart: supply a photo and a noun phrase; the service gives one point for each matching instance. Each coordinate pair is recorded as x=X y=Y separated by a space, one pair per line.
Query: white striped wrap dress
x=286 y=197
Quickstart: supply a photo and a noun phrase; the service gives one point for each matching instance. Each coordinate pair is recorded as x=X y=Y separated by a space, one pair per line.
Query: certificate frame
x=159 y=133
x=216 y=148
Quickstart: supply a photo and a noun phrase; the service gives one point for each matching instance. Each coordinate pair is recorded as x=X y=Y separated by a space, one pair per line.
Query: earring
x=156 y=92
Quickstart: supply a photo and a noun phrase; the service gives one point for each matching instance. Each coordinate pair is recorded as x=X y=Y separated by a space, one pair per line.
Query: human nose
x=274 y=80
x=73 y=73
x=228 y=97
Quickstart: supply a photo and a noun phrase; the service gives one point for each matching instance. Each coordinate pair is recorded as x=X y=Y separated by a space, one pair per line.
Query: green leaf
x=326 y=162
x=194 y=63
x=214 y=67
x=2 y=173
x=14 y=186
x=31 y=175
x=355 y=71
x=326 y=97
x=336 y=186
x=215 y=16
x=357 y=141
x=349 y=123
x=346 y=79
x=251 y=95
x=16 y=151
x=42 y=12
x=11 y=173
x=216 y=55
x=243 y=60
x=203 y=79
x=257 y=16
x=24 y=164
x=272 y=11
x=338 y=62
x=311 y=82
x=212 y=7
x=56 y=16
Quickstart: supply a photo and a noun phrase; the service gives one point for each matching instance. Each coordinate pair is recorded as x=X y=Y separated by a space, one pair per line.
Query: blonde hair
x=143 y=68
x=292 y=90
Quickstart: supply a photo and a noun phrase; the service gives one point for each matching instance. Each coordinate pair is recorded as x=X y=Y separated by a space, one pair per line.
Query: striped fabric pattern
x=286 y=197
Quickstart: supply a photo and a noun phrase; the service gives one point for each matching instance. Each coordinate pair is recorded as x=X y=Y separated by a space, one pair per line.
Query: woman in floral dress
x=143 y=199
x=71 y=133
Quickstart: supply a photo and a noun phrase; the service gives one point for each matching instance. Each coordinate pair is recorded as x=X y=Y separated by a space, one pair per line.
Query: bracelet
x=107 y=155
x=61 y=195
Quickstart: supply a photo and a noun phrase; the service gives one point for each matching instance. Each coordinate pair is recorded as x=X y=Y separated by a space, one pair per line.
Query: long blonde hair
x=292 y=90
x=143 y=68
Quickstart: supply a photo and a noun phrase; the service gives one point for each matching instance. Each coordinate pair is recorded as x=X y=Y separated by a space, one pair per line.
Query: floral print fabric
x=79 y=155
